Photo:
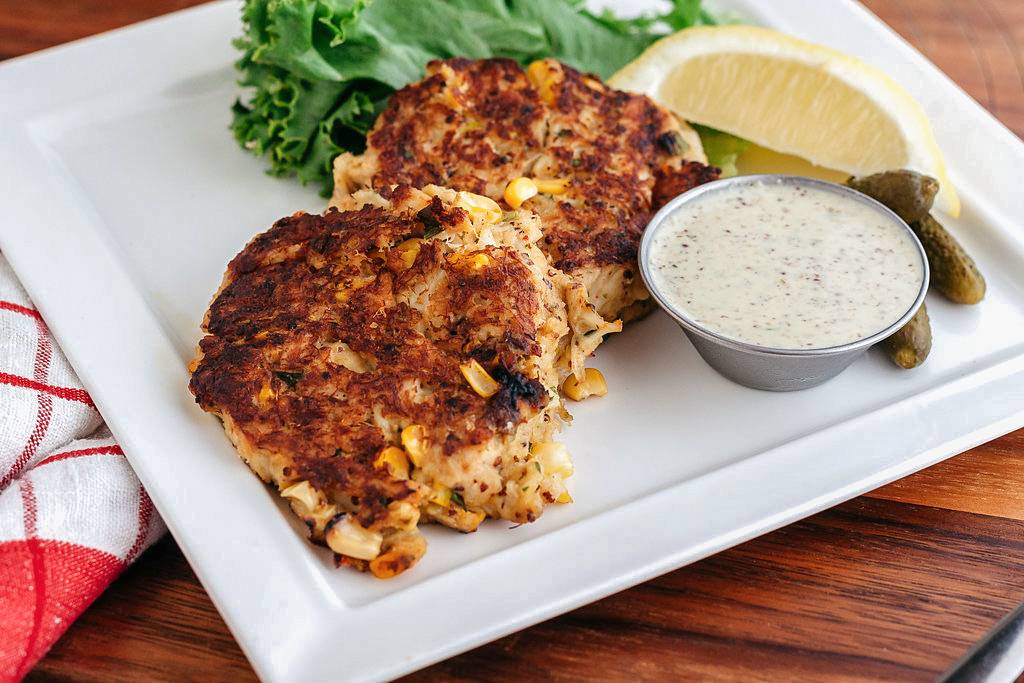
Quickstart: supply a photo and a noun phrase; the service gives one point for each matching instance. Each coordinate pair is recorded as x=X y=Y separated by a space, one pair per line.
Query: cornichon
x=912 y=343
x=910 y=195
x=953 y=272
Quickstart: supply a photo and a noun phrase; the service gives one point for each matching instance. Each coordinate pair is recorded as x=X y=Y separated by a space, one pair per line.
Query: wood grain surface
x=891 y=586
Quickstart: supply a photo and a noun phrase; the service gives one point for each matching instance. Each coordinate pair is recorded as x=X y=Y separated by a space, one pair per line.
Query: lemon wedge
x=793 y=97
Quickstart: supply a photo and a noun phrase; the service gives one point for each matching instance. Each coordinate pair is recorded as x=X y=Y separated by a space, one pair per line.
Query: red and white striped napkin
x=72 y=512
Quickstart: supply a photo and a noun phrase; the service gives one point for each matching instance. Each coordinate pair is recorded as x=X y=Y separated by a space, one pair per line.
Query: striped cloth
x=72 y=513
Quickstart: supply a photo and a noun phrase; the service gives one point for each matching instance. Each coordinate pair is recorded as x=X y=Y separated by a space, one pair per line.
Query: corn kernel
x=346 y=537
x=356 y=282
x=553 y=457
x=593 y=384
x=266 y=394
x=304 y=494
x=519 y=190
x=482 y=383
x=399 y=552
x=395 y=461
x=346 y=287
x=563 y=497
x=537 y=72
x=471 y=520
x=442 y=495
x=541 y=75
x=409 y=250
x=414 y=438
x=403 y=515
x=474 y=260
x=478 y=261
x=452 y=98
x=479 y=207
x=551 y=185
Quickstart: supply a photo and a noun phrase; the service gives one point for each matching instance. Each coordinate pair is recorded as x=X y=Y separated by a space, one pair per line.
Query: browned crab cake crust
x=466 y=125
x=333 y=333
x=478 y=124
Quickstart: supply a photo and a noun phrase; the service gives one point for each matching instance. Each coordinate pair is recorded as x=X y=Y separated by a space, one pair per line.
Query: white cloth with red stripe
x=72 y=512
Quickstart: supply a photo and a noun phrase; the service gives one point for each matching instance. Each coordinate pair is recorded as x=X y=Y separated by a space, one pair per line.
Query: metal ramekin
x=762 y=367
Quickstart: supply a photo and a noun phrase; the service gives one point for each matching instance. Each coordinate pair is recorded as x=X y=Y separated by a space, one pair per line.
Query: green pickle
x=910 y=195
x=912 y=343
x=953 y=272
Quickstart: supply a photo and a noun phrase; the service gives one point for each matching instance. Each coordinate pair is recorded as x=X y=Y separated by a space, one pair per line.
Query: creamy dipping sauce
x=785 y=266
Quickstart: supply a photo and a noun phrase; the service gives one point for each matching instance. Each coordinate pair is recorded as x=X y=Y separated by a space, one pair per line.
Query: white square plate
x=123 y=197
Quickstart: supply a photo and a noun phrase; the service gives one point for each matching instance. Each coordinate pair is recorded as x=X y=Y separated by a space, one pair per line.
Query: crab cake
x=394 y=363
x=597 y=162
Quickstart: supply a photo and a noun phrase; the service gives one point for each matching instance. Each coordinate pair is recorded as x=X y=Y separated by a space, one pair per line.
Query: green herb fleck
x=457 y=498
x=431 y=226
x=289 y=378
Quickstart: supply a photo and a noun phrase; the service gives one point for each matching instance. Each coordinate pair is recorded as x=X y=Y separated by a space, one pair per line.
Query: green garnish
x=317 y=72
x=431 y=226
x=457 y=498
x=722 y=149
x=289 y=378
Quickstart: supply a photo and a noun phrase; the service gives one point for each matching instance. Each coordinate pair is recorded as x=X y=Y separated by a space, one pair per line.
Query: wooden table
x=893 y=585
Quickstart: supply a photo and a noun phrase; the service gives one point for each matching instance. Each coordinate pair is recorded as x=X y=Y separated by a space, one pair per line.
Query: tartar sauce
x=785 y=266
